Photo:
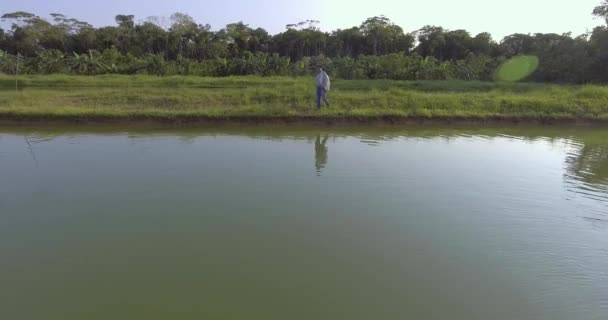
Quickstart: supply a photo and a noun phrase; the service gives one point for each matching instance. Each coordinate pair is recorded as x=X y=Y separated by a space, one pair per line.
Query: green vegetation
x=376 y=49
x=178 y=98
x=517 y=68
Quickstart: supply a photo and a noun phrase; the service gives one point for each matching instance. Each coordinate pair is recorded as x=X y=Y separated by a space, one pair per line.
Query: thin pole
x=17 y=75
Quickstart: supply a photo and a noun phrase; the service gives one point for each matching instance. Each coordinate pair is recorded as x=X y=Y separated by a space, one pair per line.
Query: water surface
x=304 y=223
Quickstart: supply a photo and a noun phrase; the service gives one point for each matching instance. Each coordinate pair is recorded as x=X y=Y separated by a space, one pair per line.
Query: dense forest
x=377 y=49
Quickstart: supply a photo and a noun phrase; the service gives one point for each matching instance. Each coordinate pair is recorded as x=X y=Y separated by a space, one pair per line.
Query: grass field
x=134 y=98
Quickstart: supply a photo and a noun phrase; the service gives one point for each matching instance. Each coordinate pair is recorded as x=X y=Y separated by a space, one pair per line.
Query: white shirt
x=323 y=80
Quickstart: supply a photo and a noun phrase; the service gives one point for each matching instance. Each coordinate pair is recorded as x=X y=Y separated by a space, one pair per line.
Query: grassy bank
x=133 y=98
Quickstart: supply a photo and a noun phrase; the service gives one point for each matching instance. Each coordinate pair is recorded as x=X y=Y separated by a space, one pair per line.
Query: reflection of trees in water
x=590 y=164
x=587 y=176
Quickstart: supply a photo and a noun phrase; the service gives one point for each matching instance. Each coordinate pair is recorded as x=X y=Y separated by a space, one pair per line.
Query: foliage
x=155 y=64
x=87 y=64
x=376 y=49
x=48 y=61
x=602 y=10
x=8 y=63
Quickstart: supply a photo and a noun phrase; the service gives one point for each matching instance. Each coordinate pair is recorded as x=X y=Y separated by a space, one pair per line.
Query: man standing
x=322 y=87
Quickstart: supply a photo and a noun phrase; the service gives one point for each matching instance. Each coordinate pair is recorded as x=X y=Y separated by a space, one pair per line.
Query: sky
x=499 y=17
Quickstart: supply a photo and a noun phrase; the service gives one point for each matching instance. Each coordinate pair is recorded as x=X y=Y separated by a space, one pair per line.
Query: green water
x=297 y=223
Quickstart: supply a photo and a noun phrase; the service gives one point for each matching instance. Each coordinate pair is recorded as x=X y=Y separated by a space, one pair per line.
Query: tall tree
x=125 y=31
x=183 y=31
x=602 y=10
x=27 y=31
x=384 y=36
x=458 y=45
x=431 y=42
x=347 y=42
x=598 y=54
x=483 y=44
x=517 y=44
x=238 y=36
x=150 y=38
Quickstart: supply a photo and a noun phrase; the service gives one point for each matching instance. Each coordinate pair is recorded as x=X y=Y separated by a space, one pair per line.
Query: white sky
x=499 y=17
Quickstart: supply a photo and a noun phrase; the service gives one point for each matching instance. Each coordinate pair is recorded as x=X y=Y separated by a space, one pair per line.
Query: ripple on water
x=586 y=181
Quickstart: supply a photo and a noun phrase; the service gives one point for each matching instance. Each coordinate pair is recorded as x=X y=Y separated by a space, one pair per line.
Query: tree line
x=376 y=49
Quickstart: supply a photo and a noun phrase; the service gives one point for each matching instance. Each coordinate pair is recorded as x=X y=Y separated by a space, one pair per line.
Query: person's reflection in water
x=320 y=153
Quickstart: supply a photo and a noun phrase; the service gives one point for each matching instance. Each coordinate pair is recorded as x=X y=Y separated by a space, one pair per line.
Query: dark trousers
x=321 y=94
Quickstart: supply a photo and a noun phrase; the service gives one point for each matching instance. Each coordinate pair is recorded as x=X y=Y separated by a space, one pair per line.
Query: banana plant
x=49 y=61
x=89 y=64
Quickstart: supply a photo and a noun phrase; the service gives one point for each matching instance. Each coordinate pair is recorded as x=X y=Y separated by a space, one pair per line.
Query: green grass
x=113 y=97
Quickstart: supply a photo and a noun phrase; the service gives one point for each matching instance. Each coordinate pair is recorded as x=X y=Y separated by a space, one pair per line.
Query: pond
x=303 y=223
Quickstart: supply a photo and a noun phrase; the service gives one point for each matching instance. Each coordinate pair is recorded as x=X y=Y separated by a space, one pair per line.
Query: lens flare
x=517 y=68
